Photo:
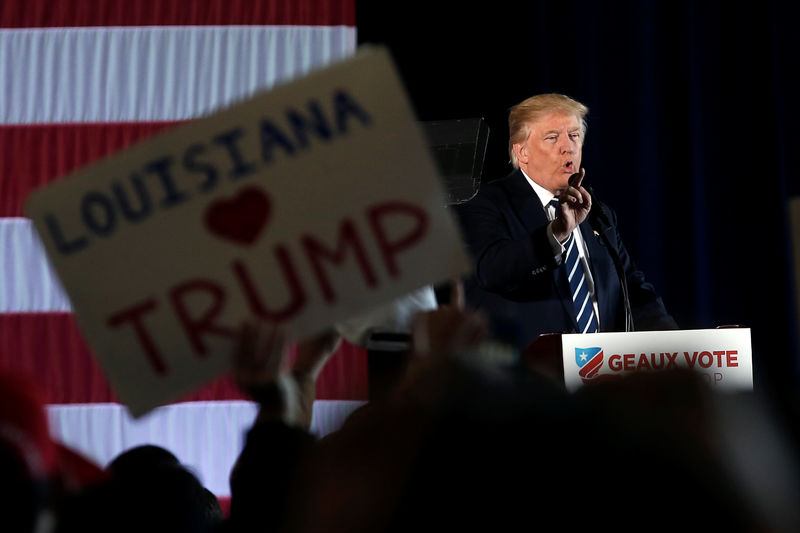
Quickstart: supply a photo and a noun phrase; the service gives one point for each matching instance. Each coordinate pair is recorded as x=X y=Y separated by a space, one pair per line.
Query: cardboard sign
x=303 y=206
x=722 y=356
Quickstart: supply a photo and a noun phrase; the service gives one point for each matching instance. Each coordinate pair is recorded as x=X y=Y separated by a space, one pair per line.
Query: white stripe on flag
x=154 y=73
x=205 y=436
x=27 y=281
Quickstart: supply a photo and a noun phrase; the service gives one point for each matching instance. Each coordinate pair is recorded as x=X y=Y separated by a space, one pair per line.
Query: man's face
x=552 y=151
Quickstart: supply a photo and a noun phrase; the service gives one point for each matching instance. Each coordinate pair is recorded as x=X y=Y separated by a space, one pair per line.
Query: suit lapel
x=524 y=201
x=528 y=208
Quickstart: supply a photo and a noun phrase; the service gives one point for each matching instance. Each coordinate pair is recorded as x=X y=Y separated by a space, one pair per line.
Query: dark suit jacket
x=517 y=280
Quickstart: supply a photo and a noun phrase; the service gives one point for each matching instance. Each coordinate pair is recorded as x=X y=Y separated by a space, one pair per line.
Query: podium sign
x=722 y=356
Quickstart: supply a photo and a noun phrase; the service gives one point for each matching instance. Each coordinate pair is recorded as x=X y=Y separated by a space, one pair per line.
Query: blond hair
x=532 y=109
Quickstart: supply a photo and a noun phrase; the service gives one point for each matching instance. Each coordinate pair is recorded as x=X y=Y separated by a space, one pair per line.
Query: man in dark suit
x=547 y=258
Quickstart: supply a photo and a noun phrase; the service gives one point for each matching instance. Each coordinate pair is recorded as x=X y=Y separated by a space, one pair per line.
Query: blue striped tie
x=581 y=299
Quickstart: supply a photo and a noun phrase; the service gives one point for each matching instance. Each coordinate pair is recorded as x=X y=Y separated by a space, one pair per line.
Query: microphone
x=600 y=223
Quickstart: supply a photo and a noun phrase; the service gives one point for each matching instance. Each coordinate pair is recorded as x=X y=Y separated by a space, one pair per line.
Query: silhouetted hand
x=261 y=370
x=314 y=352
x=449 y=327
x=260 y=356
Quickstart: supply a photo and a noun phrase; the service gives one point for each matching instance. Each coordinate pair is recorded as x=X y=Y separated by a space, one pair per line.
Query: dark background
x=692 y=124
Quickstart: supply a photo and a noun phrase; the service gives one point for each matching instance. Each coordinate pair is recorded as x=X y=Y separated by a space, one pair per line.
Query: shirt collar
x=544 y=195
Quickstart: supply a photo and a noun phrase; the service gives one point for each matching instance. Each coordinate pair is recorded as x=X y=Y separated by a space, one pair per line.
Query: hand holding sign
x=262 y=370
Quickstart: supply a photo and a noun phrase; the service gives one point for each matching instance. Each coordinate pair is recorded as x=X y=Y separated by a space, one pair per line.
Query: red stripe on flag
x=50 y=348
x=59 y=13
x=33 y=155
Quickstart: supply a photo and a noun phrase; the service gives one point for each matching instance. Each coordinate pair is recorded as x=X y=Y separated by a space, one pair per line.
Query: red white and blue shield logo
x=589 y=361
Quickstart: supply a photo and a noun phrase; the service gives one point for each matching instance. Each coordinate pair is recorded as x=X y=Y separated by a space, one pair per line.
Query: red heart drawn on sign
x=240 y=219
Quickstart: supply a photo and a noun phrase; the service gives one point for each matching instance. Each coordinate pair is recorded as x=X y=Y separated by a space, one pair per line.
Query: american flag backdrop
x=80 y=79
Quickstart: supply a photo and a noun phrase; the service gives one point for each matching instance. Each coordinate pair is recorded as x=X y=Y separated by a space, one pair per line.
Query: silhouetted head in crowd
x=146 y=456
x=470 y=439
x=24 y=495
x=148 y=491
x=501 y=450
x=36 y=472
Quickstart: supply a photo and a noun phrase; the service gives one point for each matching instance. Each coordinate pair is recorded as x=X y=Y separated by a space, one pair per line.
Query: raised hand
x=262 y=370
x=449 y=327
x=574 y=204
